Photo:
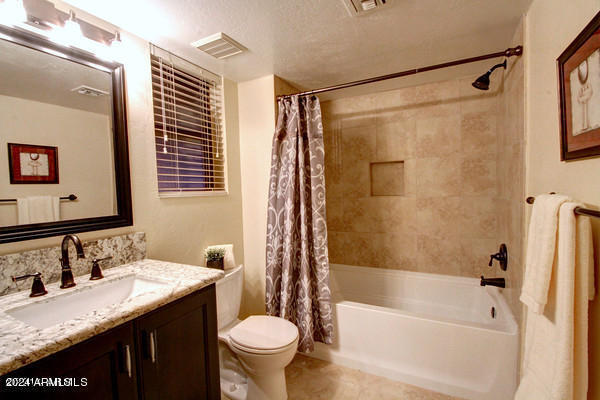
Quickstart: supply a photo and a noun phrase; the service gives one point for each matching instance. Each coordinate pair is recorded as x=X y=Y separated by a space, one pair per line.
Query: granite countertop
x=22 y=344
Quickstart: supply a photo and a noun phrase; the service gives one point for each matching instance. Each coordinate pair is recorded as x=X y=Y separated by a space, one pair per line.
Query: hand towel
x=37 y=209
x=541 y=241
x=555 y=363
x=229 y=259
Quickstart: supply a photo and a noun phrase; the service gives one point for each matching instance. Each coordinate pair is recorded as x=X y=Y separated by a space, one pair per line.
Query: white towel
x=36 y=209
x=555 y=363
x=228 y=259
x=541 y=245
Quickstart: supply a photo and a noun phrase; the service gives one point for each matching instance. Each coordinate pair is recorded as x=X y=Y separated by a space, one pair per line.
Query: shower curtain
x=297 y=276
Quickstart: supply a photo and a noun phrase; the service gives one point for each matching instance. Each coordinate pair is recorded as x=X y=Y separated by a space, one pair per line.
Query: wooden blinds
x=187 y=102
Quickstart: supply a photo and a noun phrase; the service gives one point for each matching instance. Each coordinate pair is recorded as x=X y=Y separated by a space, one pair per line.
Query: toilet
x=253 y=353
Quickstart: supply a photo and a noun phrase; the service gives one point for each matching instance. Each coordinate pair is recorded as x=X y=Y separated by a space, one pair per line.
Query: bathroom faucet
x=498 y=282
x=66 y=278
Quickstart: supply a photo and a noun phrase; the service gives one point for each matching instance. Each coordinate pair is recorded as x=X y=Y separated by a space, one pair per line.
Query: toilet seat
x=262 y=334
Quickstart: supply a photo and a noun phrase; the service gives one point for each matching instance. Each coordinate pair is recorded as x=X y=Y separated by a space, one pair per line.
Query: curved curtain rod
x=510 y=52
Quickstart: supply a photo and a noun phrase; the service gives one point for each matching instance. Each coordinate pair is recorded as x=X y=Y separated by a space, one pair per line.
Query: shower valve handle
x=501 y=256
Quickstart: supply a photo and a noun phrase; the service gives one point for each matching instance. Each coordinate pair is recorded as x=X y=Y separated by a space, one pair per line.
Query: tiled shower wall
x=440 y=155
x=511 y=172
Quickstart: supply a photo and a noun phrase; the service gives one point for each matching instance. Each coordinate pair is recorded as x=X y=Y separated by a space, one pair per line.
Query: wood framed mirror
x=64 y=159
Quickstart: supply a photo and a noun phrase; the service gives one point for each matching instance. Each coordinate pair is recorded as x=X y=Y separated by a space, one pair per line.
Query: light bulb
x=69 y=34
x=116 y=47
x=12 y=12
x=111 y=52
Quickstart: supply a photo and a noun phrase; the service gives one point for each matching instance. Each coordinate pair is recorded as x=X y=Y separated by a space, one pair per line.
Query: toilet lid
x=261 y=332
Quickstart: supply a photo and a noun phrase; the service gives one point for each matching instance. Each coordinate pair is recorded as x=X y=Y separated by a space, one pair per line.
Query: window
x=187 y=103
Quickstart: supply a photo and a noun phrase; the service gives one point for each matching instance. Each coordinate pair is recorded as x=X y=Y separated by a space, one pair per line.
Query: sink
x=83 y=300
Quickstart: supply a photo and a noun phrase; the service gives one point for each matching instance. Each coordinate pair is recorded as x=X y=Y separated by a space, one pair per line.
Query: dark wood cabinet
x=169 y=353
x=99 y=368
x=178 y=357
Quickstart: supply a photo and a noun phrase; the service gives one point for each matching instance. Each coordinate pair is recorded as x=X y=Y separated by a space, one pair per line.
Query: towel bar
x=70 y=197
x=577 y=210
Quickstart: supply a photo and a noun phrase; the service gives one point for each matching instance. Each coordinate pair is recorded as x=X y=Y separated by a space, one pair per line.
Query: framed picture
x=579 y=80
x=30 y=163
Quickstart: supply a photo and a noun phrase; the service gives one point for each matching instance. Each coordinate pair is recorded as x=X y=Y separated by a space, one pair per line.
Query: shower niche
x=387 y=178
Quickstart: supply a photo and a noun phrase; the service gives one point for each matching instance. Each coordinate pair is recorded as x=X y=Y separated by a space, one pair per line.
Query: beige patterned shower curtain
x=297 y=278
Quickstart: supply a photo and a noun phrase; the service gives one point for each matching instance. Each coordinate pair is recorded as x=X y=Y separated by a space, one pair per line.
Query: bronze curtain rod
x=70 y=197
x=512 y=51
x=577 y=210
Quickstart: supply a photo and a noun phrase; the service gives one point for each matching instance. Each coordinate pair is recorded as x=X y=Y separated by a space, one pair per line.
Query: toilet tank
x=229 y=296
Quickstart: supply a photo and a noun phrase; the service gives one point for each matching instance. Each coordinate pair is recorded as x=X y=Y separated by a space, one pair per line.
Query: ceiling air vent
x=219 y=46
x=89 y=91
x=358 y=7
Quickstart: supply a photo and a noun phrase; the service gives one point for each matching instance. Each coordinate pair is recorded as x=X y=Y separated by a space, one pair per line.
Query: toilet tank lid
x=264 y=332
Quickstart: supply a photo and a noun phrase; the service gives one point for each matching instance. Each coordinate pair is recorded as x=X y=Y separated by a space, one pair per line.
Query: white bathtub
x=428 y=330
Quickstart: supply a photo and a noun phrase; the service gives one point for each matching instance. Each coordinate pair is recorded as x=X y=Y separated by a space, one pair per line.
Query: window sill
x=167 y=195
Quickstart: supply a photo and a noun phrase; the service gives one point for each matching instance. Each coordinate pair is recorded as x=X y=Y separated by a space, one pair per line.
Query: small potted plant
x=214 y=257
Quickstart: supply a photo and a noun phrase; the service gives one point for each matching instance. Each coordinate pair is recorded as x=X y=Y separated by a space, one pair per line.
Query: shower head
x=483 y=82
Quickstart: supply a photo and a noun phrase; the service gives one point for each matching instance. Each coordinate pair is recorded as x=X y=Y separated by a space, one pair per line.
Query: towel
x=228 y=259
x=555 y=363
x=541 y=241
x=36 y=209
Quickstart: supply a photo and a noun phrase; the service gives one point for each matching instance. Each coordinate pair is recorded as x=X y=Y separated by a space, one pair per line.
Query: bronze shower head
x=483 y=82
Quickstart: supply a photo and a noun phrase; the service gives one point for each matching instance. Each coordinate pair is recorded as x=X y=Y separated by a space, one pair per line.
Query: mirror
x=64 y=164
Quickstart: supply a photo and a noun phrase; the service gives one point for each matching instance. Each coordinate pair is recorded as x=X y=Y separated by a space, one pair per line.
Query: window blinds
x=187 y=102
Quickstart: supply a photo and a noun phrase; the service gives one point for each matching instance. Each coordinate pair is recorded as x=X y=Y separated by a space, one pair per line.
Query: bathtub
x=428 y=330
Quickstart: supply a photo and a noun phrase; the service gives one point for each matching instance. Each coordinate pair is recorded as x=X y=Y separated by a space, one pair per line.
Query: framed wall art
x=579 y=84
x=32 y=164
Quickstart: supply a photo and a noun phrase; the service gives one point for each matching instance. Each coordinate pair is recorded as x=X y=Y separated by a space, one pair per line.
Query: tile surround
x=124 y=249
x=462 y=151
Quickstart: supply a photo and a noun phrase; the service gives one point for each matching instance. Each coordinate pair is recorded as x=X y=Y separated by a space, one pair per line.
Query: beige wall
x=85 y=160
x=446 y=221
x=551 y=25
x=177 y=229
x=257 y=113
x=257 y=125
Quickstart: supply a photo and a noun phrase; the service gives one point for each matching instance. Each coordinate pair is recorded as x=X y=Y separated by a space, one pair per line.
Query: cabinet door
x=178 y=349
x=103 y=367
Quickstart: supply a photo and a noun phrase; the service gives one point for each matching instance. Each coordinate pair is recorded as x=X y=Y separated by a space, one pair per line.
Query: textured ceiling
x=314 y=43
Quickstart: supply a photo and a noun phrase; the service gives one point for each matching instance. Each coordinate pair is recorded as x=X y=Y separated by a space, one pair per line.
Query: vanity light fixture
x=116 y=46
x=41 y=21
x=111 y=51
x=12 y=12
x=69 y=34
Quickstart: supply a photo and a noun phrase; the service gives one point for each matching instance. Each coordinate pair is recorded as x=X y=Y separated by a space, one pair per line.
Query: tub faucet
x=498 y=282
x=66 y=278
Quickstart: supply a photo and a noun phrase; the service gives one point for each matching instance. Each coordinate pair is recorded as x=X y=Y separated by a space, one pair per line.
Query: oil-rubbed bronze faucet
x=37 y=288
x=498 y=282
x=66 y=278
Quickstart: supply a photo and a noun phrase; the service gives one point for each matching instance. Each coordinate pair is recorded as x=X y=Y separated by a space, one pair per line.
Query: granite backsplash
x=124 y=249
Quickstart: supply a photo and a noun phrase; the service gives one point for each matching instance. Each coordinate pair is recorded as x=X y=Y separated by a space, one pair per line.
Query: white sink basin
x=81 y=301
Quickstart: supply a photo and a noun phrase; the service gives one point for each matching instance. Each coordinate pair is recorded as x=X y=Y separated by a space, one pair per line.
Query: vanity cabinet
x=169 y=353
x=178 y=358
x=94 y=369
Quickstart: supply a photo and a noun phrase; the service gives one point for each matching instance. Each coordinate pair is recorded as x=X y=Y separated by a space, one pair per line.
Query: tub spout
x=498 y=282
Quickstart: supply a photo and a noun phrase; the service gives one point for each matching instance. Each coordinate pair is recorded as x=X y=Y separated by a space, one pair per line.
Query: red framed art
x=579 y=84
x=32 y=164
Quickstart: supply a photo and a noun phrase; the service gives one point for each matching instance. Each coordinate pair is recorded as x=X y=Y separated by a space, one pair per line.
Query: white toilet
x=253 y=353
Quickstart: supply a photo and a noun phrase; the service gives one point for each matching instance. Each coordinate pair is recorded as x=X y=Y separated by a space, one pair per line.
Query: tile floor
x=312 y=379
